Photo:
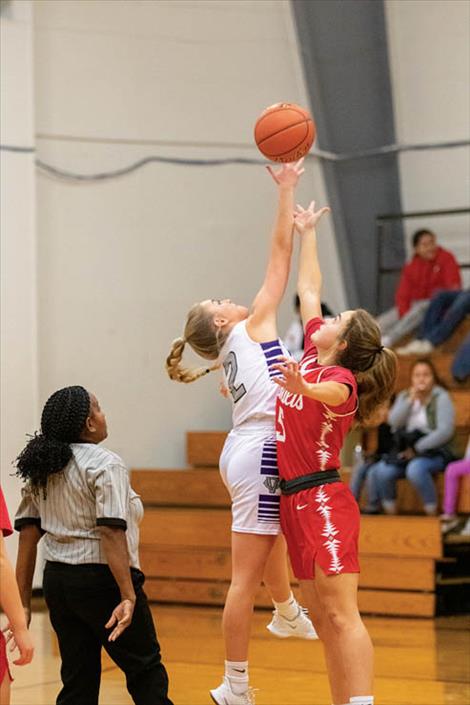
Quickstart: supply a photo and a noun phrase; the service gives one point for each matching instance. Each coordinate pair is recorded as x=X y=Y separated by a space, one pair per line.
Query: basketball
x=284 y=132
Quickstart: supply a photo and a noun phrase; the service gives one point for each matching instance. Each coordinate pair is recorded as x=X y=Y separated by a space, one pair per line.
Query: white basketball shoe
x=224 y=695
x=300 y=626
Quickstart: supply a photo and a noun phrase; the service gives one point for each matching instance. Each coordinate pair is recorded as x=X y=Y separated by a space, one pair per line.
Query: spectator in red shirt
x=431 y=269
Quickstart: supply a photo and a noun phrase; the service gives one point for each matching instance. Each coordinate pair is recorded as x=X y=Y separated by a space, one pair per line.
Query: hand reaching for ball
x=307 y=218
x=287 y=175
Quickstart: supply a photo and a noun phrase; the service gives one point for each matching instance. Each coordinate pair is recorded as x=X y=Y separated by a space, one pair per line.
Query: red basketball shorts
x=321 y=526
x=4 y=667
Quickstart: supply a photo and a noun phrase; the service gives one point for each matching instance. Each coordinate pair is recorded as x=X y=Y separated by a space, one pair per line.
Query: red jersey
x=5 y=523
x=421 y=278
x=309 y=433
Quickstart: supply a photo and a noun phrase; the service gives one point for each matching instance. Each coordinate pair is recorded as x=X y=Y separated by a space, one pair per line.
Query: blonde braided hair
x=204 y=337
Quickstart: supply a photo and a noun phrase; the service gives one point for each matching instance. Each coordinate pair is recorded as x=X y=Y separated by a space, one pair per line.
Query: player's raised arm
x=262 y=320
x=309 y=277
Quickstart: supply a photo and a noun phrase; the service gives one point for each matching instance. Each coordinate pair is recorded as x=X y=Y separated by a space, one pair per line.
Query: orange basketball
x=284 y=132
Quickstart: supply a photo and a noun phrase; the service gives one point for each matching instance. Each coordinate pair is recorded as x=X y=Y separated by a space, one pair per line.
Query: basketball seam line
x=281 y=154
x=284 y=128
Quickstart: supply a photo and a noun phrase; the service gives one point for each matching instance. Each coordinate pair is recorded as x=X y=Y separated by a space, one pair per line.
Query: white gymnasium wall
x=121 y=261
x=430 y=68
x=19 y=380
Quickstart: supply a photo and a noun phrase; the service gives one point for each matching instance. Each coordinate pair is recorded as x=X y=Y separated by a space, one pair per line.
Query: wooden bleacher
x=185 y=534
x=185 y=541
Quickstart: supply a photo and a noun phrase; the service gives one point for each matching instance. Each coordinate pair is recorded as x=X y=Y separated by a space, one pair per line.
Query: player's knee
x=244 y=587
x=337 y=621
x=340 y=621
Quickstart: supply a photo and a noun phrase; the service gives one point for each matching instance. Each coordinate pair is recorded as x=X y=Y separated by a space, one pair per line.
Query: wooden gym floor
x=418 y=662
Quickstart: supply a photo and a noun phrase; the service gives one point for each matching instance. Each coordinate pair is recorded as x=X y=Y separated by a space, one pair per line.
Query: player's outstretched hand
x=288 y=174
x=291 y=379
x=121 y=617
x=307 y=218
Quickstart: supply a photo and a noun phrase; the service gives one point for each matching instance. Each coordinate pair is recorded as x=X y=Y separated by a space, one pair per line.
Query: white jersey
x=249 y=375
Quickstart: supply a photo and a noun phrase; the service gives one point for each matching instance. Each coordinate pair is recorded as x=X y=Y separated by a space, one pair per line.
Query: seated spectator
x=359 y=474
x=452 y=476
x=294 y=337
x=461 y=363
x=422 y=418
x=432 y=268
x=445 y=312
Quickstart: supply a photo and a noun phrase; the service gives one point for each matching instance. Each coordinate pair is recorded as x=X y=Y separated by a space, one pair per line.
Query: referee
x=78 y=499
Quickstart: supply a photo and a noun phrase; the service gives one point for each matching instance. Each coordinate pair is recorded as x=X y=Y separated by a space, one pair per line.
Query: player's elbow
x=339 y=394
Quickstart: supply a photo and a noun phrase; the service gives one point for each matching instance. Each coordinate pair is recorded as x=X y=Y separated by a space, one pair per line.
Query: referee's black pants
x=81 y=599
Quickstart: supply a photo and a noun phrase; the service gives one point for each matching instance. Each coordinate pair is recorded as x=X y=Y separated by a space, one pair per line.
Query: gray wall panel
x=344 y=50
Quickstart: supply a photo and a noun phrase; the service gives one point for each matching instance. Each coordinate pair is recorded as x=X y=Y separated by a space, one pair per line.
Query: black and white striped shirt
x=93 y=490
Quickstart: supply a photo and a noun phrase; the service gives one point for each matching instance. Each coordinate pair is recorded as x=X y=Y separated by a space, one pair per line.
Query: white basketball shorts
x=248 y=466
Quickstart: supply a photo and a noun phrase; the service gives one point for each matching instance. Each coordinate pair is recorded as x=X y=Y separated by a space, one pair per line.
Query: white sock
x=390 y=506
x=362 y=700
x=237 y=674
x=430 y=509
x=288 y=609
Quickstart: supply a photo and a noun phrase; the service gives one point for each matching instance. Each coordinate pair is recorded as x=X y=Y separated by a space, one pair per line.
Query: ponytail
x=48 y=452
x=204 y=337
x=40 y=458
x=376 y=385
x=374 y=366
x=175 y=369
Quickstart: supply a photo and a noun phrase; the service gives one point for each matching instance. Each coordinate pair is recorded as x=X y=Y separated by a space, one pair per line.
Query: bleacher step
x=188 y=562
x=385 y=536
x=462 y=580
x=457 y=539
x=207 y=592
x=204 y=488
x=203 y=448
x=192 y=488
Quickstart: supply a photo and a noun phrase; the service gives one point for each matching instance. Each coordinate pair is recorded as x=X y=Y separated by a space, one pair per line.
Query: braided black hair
x=62 y=421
